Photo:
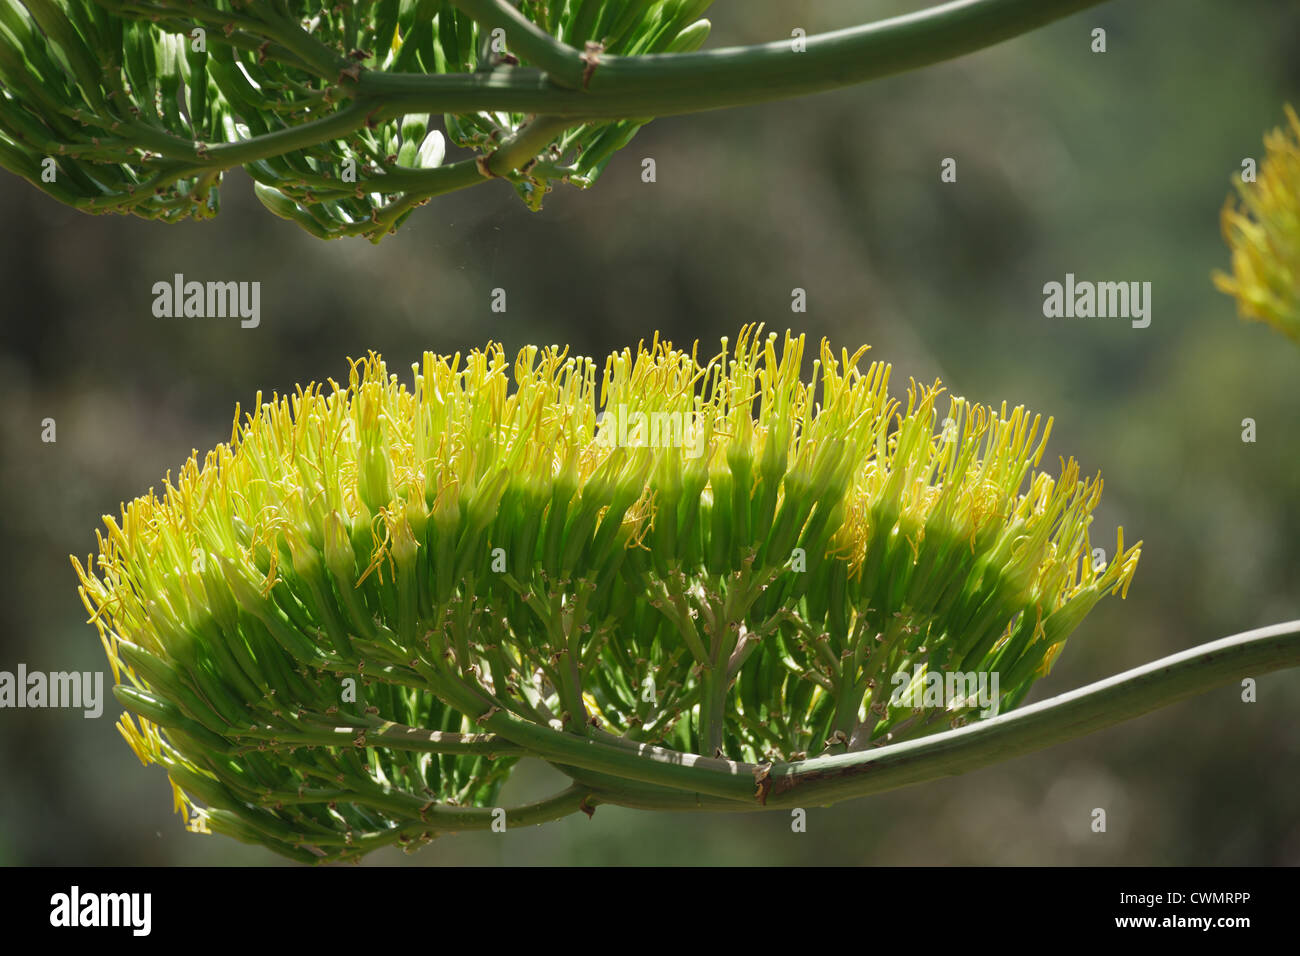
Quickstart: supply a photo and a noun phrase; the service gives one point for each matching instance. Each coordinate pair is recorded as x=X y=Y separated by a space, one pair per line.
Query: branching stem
x=690 y=780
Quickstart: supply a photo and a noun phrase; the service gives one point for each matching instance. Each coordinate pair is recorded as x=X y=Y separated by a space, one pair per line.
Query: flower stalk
x=143 y=105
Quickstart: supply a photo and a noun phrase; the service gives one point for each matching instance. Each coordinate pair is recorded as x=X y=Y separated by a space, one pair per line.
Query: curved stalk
x=652 y=778
x=676 y=83
x=564 y=65
x=687 y=781
x=561 y=87
x=440 y=819
x=525 y=144
x=1074 y=714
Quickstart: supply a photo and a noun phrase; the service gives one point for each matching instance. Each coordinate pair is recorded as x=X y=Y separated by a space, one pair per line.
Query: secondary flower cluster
x=1264 y=235
x=139 y=107
x=313 y=625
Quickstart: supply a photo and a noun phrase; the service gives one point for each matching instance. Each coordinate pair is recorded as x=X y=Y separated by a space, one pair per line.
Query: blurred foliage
x=1111 y=166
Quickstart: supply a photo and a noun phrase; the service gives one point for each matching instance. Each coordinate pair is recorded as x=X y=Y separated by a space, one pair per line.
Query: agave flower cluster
x=349 y=622
x=140 y=107
x=1264 y=235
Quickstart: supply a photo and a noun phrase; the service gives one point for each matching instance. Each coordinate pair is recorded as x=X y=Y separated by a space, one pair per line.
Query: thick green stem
x=528 y=141
x=566 y=87
x=675 y=83
x=647 y=777
x=1077 y=713
x=713 y=709
x=826 y=780
x=620 y=792
x=644 y=763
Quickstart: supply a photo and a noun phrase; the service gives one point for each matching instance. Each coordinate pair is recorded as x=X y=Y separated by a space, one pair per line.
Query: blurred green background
x=1113 y=167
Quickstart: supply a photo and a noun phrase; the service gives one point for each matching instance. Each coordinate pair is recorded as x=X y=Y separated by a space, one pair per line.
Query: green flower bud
x=432 y=151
